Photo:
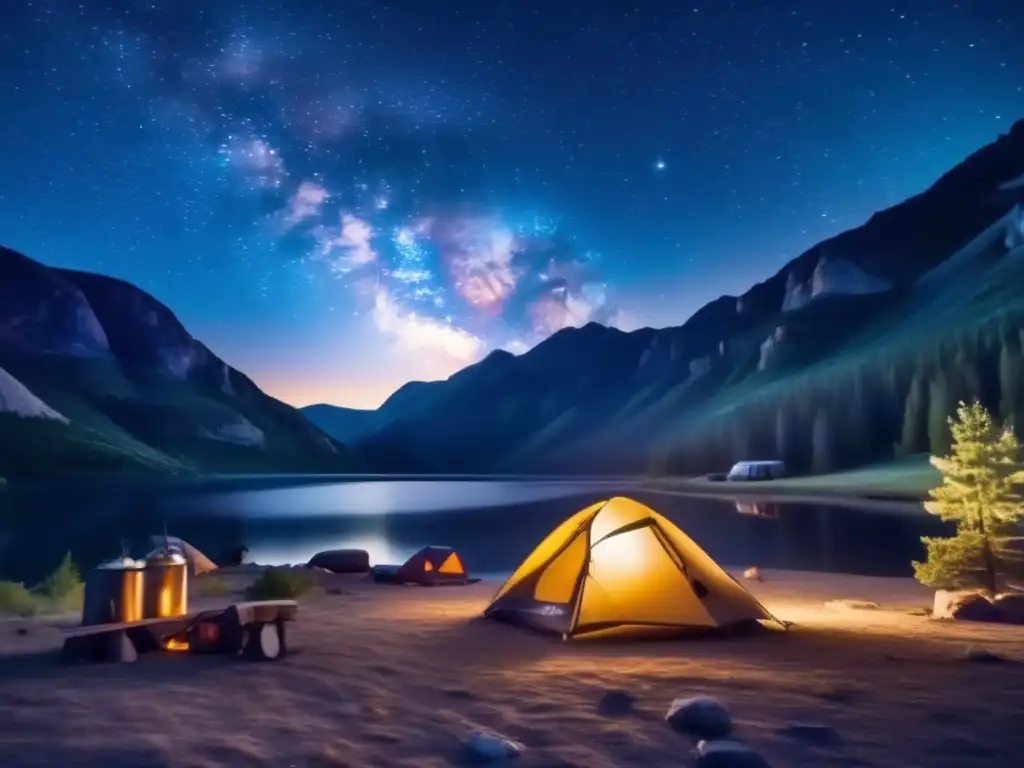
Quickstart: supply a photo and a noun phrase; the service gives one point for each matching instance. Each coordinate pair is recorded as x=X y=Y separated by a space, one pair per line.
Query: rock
x=754 y=574
x=819 y=734
x=699 y=716
x=853 y=605
x=342 y=560
x=1011 y=607
x=616 y=704
x=120 y=648
x=21 y=631
x=964 y=606
x=984 y=656
x=490 y=747
x=727 y=754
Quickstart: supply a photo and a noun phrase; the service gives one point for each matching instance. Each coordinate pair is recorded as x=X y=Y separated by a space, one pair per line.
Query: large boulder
x=1010 y=607
x=700 y=716
x=964 y=606
x=342 y=560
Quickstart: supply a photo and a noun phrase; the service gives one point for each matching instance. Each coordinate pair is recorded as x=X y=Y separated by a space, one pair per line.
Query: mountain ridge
x=581 y=383
x=134 y=390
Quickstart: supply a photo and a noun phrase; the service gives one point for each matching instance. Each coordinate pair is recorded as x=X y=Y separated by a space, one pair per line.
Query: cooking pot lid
x=122 y=564
x=164 y=556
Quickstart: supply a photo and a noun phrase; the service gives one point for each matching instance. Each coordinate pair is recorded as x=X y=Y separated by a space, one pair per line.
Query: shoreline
x=395 y=676
x=785 y=490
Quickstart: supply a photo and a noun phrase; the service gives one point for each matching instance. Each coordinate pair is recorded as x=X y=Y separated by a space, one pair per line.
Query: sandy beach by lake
x=398 y=676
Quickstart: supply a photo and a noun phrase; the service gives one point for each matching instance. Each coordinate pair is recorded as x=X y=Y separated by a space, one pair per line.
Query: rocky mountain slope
x=854 y=350
x=97 y=375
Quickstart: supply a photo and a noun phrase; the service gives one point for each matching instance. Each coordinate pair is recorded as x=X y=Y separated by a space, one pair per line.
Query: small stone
x=616 y=704
x=491 y=747
x=754 y=574
x=21 y=631
x=699 y=716
x=984 y=656
x=819 y=734
x=728 y=754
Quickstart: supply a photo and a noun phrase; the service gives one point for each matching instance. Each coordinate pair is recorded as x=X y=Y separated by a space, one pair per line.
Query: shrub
x=62 y=584
x=212 y=586
x=280 y=584
x=15 y=600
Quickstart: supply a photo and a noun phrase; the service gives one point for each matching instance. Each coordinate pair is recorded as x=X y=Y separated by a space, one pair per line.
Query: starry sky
x=339 y=196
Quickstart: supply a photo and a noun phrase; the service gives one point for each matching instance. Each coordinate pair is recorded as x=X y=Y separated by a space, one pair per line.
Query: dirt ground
x=398 y=676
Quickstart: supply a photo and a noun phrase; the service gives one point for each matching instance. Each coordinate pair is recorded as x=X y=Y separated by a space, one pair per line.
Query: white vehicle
x=756 y=470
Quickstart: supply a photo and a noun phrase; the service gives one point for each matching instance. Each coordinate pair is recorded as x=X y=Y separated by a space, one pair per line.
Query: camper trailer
x=756 y=470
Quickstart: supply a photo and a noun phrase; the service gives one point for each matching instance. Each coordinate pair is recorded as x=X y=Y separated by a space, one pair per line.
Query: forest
x=892 y=403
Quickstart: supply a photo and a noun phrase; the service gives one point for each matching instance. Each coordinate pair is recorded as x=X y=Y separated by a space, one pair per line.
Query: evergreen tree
x=1011 y=407
x=939 y=408
x=822 y=460
x=914 y=435
x=978 y=493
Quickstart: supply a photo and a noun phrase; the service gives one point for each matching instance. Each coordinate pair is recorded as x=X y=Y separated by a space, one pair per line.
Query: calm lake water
x=493 y=523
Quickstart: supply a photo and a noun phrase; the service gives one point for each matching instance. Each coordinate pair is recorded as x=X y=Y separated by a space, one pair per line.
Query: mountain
x=344 y=424
x=97 y=375
x=855 y=350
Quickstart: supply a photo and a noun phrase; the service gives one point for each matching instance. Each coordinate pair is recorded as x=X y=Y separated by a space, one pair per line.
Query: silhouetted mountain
x=335 y=421
x=916 y=297
x=96 y=374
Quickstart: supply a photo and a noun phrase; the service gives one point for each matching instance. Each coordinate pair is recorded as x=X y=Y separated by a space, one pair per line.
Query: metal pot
x=166 y=584
x=113 y=592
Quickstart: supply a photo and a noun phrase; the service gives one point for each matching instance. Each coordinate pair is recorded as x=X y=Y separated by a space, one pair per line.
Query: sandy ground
x=396 y=676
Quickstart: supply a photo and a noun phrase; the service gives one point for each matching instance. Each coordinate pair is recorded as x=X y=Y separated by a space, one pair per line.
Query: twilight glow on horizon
x=340 y=197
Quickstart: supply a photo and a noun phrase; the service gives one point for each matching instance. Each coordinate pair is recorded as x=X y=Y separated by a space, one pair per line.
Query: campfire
x=176 y=644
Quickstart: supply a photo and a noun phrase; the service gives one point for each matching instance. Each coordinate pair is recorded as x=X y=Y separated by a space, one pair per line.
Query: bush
x=15 y=600
x=62 y=584
x=212 y=586
x=280 y=584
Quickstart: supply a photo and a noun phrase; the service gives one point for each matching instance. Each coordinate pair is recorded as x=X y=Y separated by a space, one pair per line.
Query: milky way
x=341 y=196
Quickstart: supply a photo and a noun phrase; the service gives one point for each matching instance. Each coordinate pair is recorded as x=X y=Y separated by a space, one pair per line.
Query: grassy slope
x=119 y=424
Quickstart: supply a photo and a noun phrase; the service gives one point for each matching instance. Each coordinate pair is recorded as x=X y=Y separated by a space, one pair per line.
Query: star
x=659 y=165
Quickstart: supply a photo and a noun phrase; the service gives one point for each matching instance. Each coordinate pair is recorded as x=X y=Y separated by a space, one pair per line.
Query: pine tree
x=978 y=493
x=913 y=436
x=1010 y=389
x=821 y=444
x=939 y=407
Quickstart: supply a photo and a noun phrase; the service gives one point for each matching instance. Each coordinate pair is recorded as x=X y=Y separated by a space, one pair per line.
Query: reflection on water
x=384 y=497
x=766 y=509
x=493 y=524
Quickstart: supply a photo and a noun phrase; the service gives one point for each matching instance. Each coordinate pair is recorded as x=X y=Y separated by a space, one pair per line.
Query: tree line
x=895 y=402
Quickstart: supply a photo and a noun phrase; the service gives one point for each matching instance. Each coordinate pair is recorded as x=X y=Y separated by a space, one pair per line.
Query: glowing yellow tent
x=618 y=566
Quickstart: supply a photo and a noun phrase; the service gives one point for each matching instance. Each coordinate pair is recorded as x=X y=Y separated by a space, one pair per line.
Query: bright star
x=659 y=165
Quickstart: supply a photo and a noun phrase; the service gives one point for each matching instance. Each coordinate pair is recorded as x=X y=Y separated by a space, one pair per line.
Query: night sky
x=339 y=196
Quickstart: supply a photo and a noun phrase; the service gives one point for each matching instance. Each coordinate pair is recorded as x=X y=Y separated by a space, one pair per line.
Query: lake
x=493 y=523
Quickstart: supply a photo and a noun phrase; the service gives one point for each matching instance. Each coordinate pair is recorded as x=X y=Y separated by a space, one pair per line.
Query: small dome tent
x=620 y=567
x=430 y=567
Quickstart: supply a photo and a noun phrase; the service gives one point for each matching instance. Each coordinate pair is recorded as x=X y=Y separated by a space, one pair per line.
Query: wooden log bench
x=254 y=630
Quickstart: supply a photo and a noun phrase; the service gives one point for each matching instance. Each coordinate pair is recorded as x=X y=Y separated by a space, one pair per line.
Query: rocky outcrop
x=831 y=277
x=240 y=432
x=770 y=348
x=40 y=311
x=16 y=398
